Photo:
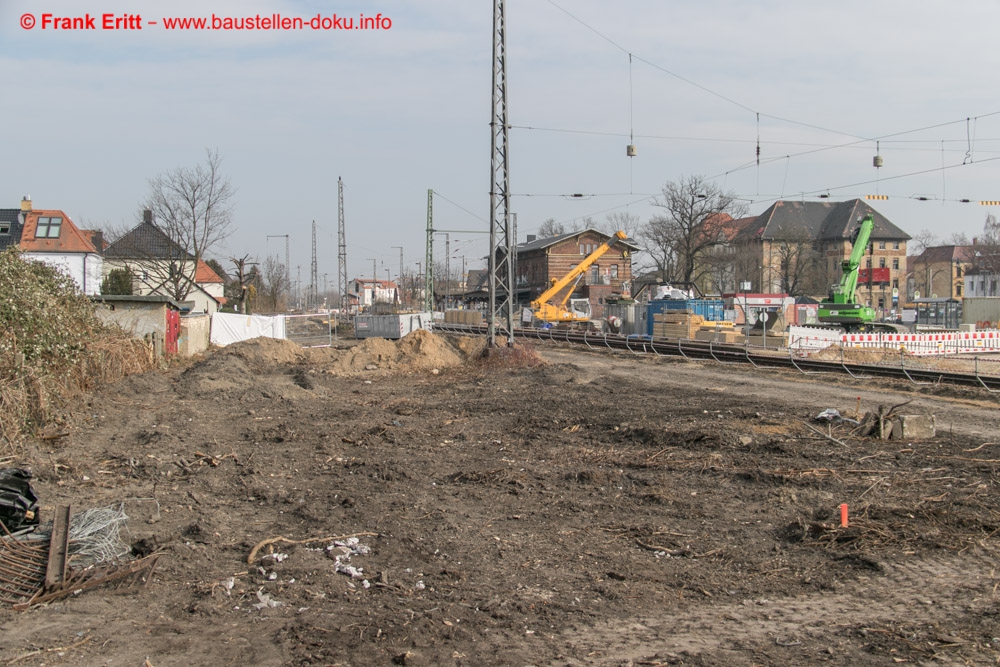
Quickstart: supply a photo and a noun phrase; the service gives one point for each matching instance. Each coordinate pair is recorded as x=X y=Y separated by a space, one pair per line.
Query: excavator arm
x=557 y=312
x=846 y=291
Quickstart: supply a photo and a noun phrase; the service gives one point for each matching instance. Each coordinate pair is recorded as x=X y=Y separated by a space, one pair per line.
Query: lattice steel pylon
x=313 y=273
x=429 y=255
x=501 y=274
x=341 y=249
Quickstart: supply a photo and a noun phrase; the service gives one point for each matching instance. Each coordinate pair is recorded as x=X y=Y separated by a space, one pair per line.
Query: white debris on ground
x=265 y=600
x=341 y=552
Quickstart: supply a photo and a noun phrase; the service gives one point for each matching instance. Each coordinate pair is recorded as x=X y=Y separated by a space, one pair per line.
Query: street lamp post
x=400 y=276
x=416 y=281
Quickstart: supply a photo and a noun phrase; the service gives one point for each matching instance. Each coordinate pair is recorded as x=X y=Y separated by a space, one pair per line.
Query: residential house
x=540 y=262
x=159 y=266
x=50 y=236
x=363 y=293
x=939 y=272
x=980 y=283
x=798 y=247
x=11 y=224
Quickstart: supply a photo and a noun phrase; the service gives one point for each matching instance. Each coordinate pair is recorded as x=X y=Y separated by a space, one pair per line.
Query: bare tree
x=659 y=241
x=274 y=286
x=986 y=250
x=693 y=209
x=551 y=228
x=621 y=220
x=193 y=207
x=797 y=265
x=920 y=241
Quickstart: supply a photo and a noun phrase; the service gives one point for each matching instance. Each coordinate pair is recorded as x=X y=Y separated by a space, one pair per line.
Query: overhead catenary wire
x=894 y=138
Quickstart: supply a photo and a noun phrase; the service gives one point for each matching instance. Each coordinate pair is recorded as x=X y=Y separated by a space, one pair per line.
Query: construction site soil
x=597 y=509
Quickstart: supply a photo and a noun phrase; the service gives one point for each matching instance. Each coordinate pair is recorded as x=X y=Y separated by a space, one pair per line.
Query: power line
x=736 y=103
x=459 y=206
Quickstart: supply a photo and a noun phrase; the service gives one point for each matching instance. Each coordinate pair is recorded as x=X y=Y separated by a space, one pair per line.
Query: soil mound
x=422 y=349
x=265 y=353
x=217 y=374
x=419 y=350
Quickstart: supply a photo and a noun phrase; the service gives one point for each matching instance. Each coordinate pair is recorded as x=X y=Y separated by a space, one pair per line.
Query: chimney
x=531 y=237
x=26 y=204
x=147 y=216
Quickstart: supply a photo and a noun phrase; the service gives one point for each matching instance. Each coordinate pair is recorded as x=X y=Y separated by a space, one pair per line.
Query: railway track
x=983 y=374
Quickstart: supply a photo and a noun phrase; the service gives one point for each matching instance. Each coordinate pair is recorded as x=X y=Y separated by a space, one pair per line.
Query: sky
x=89 y=116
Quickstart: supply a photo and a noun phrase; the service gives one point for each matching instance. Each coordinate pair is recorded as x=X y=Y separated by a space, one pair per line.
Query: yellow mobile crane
x=557 y=312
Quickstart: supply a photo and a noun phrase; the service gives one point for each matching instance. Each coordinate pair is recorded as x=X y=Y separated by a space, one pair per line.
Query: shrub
x=52 y=346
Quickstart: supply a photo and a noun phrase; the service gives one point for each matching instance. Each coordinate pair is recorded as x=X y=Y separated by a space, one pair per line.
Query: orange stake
x=843 y=515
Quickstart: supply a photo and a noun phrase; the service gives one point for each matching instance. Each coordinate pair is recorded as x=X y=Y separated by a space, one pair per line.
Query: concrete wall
x=195 y=331
x=984 y=311
x=139 y=319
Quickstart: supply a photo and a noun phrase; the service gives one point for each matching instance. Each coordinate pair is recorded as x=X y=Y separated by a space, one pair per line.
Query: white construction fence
x=808 y=339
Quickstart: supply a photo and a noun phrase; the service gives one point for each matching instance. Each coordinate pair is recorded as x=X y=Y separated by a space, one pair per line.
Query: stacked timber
x=719 y=332
x=470 y=317
x=676 y=324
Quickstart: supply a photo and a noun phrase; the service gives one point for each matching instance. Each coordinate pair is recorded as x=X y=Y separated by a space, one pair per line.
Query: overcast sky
x=89 y=116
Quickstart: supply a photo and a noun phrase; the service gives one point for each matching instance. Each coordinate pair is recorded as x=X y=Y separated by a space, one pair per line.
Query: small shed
x=154 y=318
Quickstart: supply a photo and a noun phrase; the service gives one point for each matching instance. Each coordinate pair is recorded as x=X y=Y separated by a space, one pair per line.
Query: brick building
x=798 y=247
x=542 y=261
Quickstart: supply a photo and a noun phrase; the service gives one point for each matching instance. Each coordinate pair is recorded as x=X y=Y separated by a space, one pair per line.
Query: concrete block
x=913 y=427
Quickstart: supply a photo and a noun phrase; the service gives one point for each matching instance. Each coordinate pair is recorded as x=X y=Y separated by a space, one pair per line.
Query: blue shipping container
x=713 y=310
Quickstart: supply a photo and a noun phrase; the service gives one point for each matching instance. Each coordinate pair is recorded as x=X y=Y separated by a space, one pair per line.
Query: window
x=958 y=271
x=583 y=249
x=48 y=228
x=895 y=283
x=958 y=290
x=895 y=245
x=614 y=271
x=993 y=288
x=895 y=263
x=595 y=275
x=881 y=245
x=4 y=228
x=881 y=262
x=868 y=263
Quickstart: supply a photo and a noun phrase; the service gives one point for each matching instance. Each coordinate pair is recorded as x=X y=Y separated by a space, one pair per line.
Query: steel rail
x=693 y=350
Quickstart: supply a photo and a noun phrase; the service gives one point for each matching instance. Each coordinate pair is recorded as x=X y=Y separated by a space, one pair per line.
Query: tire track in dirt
x=925 y=591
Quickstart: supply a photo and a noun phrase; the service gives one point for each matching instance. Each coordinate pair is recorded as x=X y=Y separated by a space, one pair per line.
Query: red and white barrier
x=917 y=344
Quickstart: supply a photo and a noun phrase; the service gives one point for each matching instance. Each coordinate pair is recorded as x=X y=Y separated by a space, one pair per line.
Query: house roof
x=204 y=274
x=477 y=280
x=946 y=253
x=827 y=221
x=10 y=216
x=384 y=284
x=146 y=241
x=70 y=238
x=539 y=244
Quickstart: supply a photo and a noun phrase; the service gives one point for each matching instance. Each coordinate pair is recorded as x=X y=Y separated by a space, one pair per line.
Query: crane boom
x=556 y=312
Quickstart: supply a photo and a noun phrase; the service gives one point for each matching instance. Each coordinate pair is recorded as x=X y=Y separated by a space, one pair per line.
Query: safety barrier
x=805 y=340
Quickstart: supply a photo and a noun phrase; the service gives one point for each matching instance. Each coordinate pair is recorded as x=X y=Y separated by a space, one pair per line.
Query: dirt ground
x=599 y=509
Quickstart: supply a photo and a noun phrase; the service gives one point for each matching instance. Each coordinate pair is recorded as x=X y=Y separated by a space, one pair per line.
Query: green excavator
x=842 y=307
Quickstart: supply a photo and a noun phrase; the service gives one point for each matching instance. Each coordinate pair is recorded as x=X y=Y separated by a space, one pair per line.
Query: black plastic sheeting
x=18 y=502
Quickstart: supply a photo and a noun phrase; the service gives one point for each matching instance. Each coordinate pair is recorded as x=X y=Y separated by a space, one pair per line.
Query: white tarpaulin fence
x=919 y=344
x=228 y=328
